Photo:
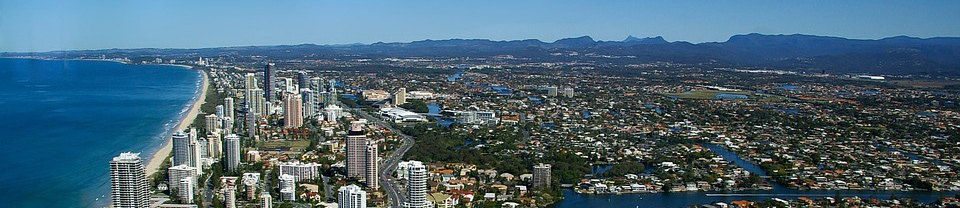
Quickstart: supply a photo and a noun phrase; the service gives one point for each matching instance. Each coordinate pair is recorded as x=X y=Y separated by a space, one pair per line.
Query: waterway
x=684 y=199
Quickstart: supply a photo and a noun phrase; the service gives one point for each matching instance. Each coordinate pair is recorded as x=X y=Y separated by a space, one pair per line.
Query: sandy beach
x=157 y=158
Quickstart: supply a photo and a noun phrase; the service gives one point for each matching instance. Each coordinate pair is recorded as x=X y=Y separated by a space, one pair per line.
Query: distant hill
x=893 y=55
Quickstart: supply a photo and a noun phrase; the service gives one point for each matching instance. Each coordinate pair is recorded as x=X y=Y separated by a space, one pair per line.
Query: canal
x=684 y=199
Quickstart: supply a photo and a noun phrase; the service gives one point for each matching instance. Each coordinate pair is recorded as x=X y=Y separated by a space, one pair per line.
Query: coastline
x=157 y=158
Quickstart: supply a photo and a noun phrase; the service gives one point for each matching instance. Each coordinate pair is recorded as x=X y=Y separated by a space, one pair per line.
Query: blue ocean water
x=62 y=121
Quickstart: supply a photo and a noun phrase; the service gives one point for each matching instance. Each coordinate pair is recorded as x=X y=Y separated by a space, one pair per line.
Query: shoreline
x=158 y=157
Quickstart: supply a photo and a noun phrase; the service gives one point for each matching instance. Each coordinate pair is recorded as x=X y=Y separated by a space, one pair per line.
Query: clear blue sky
x=41 y=25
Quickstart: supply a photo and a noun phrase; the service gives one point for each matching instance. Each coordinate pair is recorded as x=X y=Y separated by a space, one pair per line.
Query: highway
x=390 y=186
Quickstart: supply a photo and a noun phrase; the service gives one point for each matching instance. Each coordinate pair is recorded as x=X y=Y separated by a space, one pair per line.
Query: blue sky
x=30 y=25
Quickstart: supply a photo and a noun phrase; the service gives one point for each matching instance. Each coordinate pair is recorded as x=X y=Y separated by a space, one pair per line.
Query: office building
x=293 y=110
x=233 y=152
x=351 y=196
x=541 y=176
x=128 y=182
x=416 y=186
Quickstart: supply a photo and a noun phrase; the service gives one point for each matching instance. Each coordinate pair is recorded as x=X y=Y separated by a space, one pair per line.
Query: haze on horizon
x=36 y=26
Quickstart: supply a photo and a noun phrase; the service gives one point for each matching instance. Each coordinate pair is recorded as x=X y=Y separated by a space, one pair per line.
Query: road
x=390 y=163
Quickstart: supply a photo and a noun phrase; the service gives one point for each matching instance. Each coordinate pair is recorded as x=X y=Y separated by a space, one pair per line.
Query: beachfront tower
x=351 y=196
x=233 y=152
x=181 y=149
x=416 y=186
x=128 y=182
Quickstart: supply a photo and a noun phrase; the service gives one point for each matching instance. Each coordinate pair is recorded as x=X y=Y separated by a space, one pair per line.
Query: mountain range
x=893 y=55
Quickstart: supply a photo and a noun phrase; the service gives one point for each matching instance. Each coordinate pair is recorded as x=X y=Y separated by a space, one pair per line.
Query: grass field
x=924 y=83
x=294 y=145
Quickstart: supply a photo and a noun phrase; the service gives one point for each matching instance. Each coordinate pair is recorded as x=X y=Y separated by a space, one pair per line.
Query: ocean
x=62 y=122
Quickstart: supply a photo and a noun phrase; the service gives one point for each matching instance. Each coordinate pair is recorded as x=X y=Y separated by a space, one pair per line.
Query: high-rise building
x=179 y=172
x=266 y=201
x=230 y=196
x=361 y=155
x=315 y=84
x=128 y=182
x=229 y=108
x=212 y=123
x=226 y=125
x=185 y=188
x=309 y=103
x=251 y=124
x=293 y=110
x=214 y=146
x=552 y=90
x=233 y=152
x=351 y=196
x=288 y=188
x=219 y=111
x=251 y=81
x=303 y=80
x=182 y=154
x=255 y=102
x=400 y=97
x=371 y=170
x=269 y=79
x=416 y=186
x=300 y=171
x=541 y=176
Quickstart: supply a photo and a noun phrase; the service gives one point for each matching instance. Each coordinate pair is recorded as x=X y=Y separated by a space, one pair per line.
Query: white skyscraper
x=351 y=196
x=182 y=154
x=229 y=108
x=233 y=152
x=416 y=186
x=293 y=110
x=177 y=173
x=226 y=125
x=371 y=160
x=212 y=123
x=255 y=101
x=266 y=201
x=230 y=196
x=288 y=188
x=128 y=182
x=185 y=188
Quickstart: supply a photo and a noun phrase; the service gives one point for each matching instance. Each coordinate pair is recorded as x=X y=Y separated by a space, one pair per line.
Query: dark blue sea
x=62 y=121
